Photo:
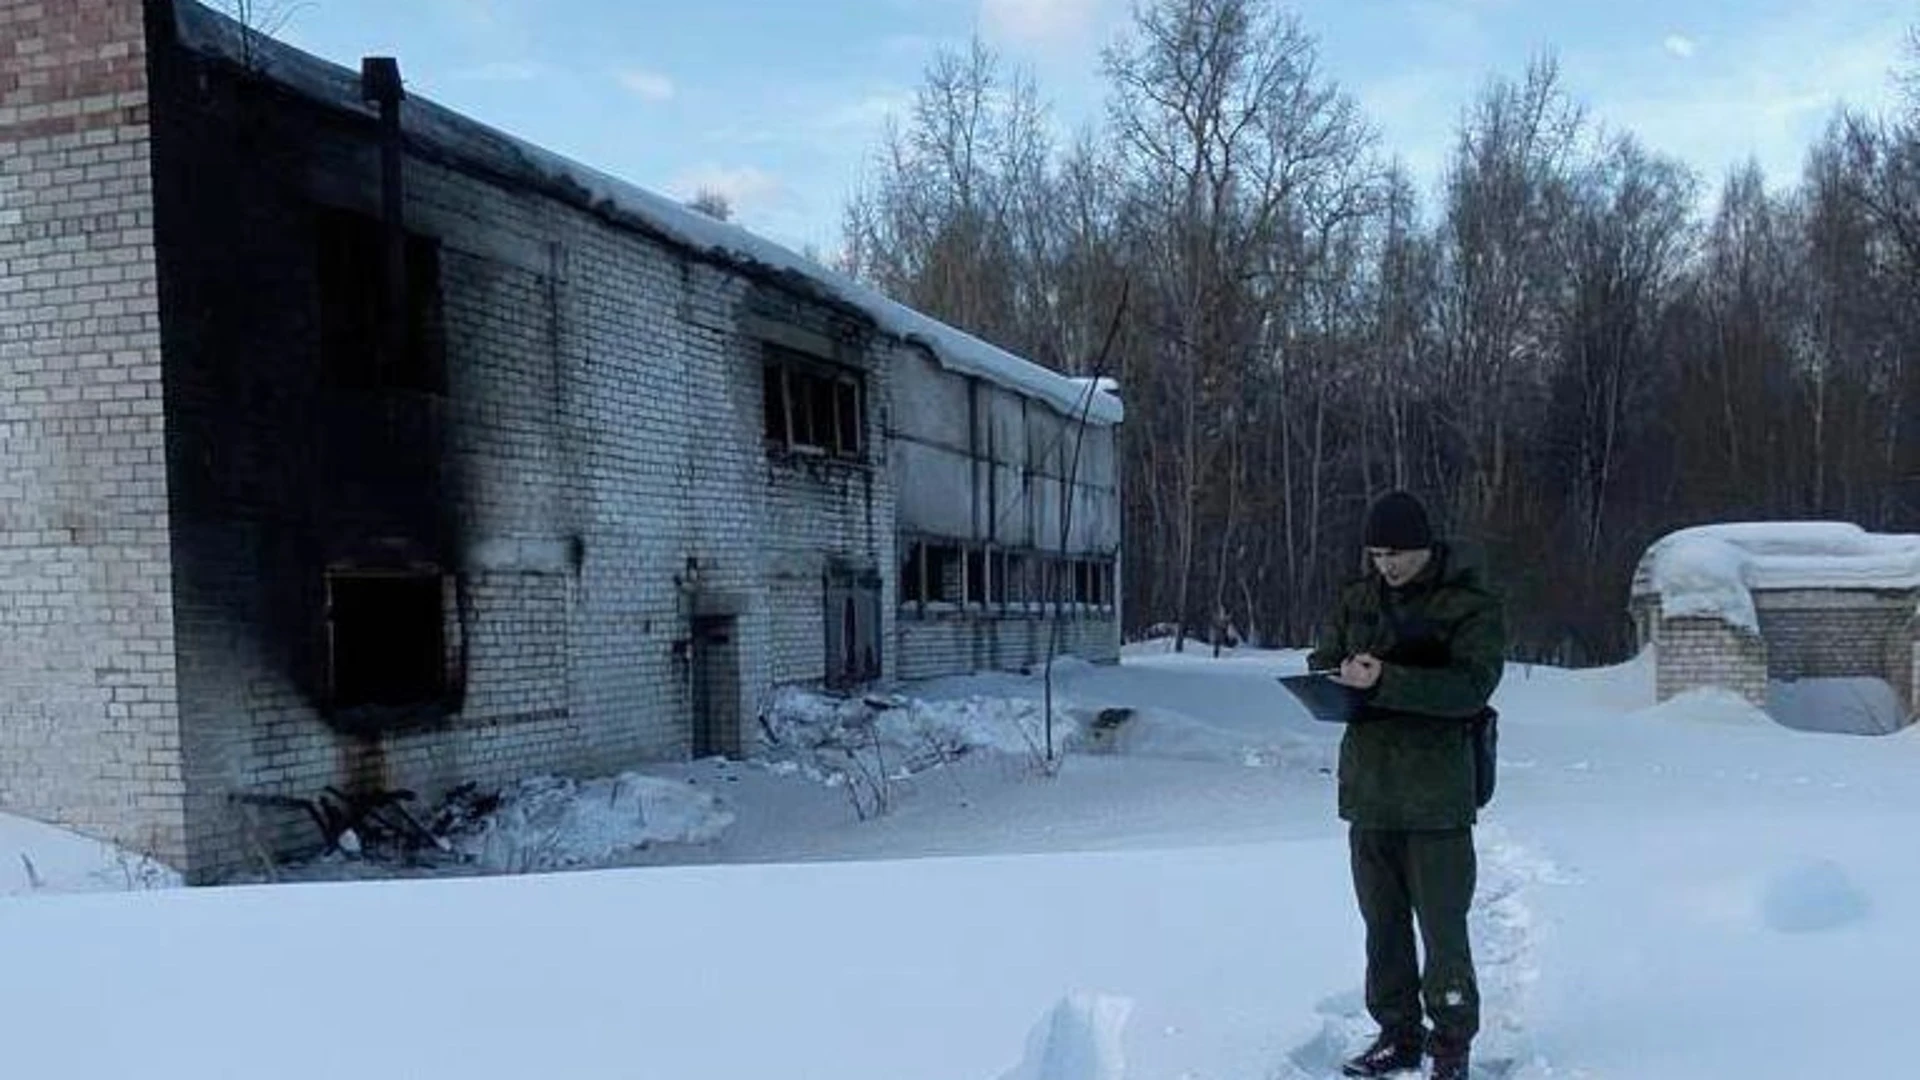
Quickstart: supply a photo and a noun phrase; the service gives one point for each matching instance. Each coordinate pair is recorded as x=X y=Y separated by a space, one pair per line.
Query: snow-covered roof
x=426 y=124
x=1713 y=570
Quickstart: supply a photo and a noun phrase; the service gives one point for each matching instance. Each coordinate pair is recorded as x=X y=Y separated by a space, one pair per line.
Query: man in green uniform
x=1424 y=636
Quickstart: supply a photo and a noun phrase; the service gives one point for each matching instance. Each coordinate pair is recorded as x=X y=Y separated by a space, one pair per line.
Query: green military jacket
x=1407 y=761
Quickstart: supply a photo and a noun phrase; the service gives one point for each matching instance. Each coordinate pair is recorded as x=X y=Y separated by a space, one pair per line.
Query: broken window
x=931 y=572
x=1060 y=581
x=1023 y=578
x=943 y=573
x=813 y=406
x=352 y=258
x=1086 y=582
x=913 y=578
x=386 y=639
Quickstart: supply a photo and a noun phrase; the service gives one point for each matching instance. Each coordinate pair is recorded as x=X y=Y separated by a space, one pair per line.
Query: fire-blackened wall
x=569 y=469
x=594 y=475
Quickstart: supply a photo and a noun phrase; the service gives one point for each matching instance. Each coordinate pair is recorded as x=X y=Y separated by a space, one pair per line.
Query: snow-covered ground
x=901 y=891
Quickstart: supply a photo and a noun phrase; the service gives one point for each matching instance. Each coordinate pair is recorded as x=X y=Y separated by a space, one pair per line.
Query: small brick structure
x=346 y=442
x=1748 y=606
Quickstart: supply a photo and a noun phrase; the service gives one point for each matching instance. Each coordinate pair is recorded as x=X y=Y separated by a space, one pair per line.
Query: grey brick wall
x=89 y=733
x=602 y=425
x=1811 y=643
x=1841 y=633
x=1803 y=634
x=1693 y=653
x=182 y=477
x=956 y=642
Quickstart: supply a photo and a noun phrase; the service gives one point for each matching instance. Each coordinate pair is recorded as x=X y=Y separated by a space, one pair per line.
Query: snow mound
x=1004 y=725
x=837 y=740
x=1840 y=706
x=37 y=857
x=552 y=823
x=1711 y=705
x=828 y=736
x=1078 y=1039
x=863 y=745
x=1712 y=570
x=1812 y=897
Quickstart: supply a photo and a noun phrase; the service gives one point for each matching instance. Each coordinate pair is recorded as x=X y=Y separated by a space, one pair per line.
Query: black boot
x=1451 y=1059
x=1391 y=1052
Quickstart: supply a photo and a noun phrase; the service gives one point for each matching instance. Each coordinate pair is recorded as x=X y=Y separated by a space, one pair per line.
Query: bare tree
x=258 y=19
x=955 y=217
x=1627 y=241
x=1556 y=347
x=1504 y=193
x=1240 y=162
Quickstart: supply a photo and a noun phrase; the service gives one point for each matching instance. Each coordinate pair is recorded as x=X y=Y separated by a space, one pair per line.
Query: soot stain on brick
x=302 y=479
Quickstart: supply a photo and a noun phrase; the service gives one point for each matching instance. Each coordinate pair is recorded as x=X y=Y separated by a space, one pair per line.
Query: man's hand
x=1361 y=672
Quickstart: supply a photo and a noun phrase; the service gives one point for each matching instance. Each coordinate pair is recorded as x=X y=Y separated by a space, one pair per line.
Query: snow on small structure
x=1775 y=611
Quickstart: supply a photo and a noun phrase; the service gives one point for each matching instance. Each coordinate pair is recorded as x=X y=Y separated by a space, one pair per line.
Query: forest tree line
x=1567 y=348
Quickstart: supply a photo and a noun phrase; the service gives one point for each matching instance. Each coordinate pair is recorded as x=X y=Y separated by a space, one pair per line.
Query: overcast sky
x=779 y=103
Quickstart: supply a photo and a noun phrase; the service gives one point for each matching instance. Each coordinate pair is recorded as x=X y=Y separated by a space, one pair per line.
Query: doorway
x=716 y=687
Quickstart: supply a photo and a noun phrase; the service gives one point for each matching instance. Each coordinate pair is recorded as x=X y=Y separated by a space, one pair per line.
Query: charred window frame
x=390 y=648
x=350 y=254
x=813 y=406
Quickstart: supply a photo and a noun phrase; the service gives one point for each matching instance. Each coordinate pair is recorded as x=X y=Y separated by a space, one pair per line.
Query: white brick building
x=590 y=481
x=1760 y=606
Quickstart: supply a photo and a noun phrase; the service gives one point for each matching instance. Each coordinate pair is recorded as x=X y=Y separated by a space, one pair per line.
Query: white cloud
x=744 y=186
x=1680 y=45
x=1040 y=23
x=648 y=85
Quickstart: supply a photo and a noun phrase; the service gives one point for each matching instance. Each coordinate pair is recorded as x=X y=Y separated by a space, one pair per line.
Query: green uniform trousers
x=1426 y=876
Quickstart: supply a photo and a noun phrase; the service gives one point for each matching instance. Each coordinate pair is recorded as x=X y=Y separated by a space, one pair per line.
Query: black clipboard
x=1325 y=700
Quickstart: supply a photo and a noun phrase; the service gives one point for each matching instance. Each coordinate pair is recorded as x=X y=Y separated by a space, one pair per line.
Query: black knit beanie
x=1398 y=522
